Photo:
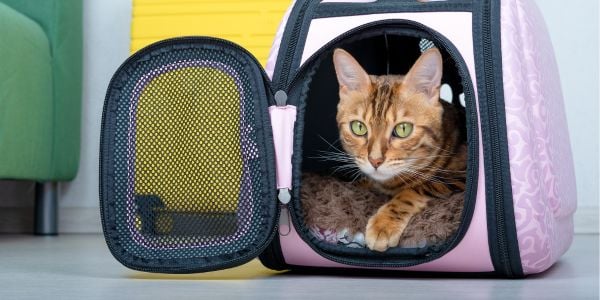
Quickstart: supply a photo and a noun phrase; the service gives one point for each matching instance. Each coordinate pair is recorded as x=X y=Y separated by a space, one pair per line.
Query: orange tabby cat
x=408 y=141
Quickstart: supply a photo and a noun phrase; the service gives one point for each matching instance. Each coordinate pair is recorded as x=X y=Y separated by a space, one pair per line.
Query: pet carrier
x=202 y=150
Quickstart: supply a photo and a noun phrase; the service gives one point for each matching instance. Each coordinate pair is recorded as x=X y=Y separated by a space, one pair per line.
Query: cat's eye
x=359 y=128
x=403 y=130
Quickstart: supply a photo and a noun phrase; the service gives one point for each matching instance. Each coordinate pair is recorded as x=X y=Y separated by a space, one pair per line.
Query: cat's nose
x=376 y=162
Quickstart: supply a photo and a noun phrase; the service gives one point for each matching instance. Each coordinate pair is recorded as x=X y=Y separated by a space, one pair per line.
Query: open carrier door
x=187 y=172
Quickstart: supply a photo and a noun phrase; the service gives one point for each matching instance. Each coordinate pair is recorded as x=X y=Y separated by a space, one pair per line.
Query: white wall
x=574 y=30
x=106 y=27
x=573 y=27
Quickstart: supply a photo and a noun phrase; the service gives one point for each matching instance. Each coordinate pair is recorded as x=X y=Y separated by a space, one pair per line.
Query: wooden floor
x=80 y=267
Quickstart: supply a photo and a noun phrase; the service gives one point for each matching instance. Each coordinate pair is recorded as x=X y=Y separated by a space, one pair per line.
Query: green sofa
x=40 y=97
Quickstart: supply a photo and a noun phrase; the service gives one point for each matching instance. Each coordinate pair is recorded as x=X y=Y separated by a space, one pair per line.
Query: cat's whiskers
x=449 y=152
x=445 y=171
x=419 y=158
x=347 y=162
x=402 y=178
x=344 y=168
x=425 y=177
x=333 y=156
x=439 y=178
x=418 y=171
x=332 y=145
x=356 y=175
x=435 y=172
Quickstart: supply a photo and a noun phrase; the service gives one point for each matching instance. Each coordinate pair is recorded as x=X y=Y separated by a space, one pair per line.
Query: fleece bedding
x=337 y=211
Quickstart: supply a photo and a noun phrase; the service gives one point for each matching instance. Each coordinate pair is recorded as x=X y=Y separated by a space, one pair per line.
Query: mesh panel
x=190 y=159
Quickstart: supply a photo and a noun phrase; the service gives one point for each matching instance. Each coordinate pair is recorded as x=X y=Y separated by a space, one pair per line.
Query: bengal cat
x=408 y=142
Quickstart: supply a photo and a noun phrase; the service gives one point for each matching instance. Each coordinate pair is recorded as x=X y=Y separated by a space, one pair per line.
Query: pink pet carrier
x=202 y=150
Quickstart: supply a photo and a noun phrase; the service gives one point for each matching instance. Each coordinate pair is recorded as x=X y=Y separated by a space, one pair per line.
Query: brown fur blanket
x=331 y=206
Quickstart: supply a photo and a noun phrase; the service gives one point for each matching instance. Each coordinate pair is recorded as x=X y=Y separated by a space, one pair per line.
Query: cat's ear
x=425 y=76
x=350 y=74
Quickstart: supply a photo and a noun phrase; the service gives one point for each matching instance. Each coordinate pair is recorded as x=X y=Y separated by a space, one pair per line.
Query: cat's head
x=390 y=124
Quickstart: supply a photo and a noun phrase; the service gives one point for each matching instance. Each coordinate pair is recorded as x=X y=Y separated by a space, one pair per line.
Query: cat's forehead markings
x=381 y=98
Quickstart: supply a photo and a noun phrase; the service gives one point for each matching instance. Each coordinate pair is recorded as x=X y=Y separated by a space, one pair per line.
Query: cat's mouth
x=381 y=174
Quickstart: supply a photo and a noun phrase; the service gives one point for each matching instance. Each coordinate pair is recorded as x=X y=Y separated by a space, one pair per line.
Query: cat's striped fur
x=429 y=163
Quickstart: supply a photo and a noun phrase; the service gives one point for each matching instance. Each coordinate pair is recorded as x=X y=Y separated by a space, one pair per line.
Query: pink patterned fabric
x=543 y=179
x=540 y=156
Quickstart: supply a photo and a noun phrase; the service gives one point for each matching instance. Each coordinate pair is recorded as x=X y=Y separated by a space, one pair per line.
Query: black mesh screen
x=187 y=177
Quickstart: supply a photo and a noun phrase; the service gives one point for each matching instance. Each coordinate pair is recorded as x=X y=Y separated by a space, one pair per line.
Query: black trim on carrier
x=267 y=205
x=297 y=90
x=502 y=234
x=333 y=9
x=272 y=257
x=299 y=18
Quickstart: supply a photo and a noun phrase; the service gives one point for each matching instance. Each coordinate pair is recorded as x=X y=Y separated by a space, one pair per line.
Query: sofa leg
x=46 y=209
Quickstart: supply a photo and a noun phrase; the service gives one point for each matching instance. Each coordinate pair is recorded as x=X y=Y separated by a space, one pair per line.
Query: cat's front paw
x=383 y=232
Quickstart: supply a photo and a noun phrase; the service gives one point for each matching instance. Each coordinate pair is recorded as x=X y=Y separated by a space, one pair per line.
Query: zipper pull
x=281 y=98
x=284 y=221
x=284 y=217
x=284 y=196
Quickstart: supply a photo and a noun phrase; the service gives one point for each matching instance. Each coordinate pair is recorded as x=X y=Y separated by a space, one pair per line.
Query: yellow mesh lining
x=187 y=140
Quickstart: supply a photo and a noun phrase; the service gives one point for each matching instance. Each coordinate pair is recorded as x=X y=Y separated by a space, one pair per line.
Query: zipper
x=230 y=263
x=272 y=257
x=291 y=48
x=268 y=91
x=497 y=179
x=472 y=131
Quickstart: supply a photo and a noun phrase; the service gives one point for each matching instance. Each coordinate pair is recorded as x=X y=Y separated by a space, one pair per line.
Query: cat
x=408 y=142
